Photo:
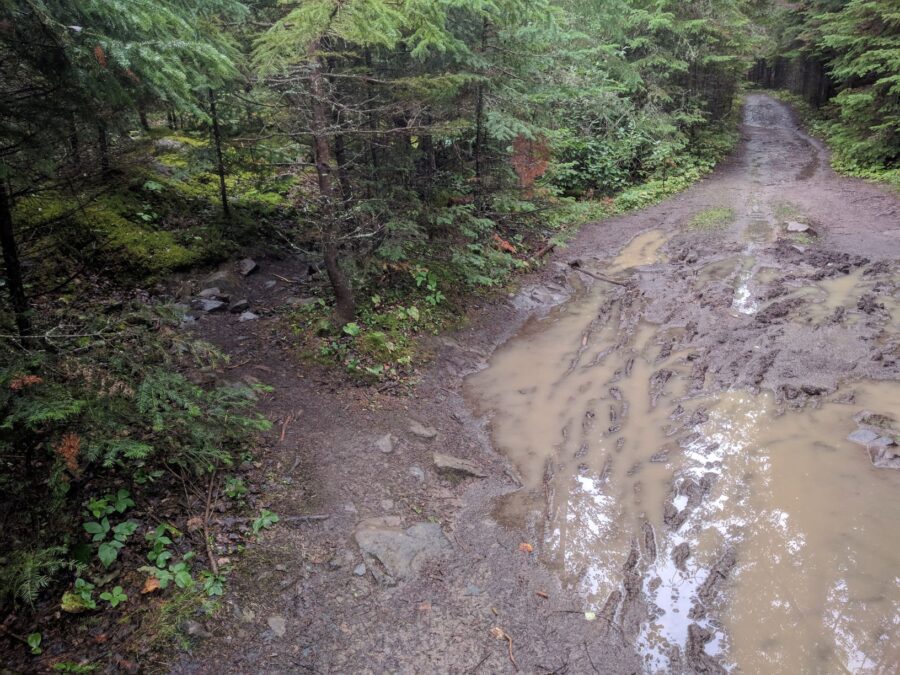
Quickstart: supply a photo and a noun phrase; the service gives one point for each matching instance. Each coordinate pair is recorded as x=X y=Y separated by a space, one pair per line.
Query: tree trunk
x=142 y=116
x=340 y=283
x=103 y=147
x=220 y=164
x=479 y=132
x=14 y=280
x=340 y=156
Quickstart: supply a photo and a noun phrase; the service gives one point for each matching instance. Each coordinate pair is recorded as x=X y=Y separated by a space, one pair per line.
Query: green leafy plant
x=115 y=597
x=108 y=551
x=234 y=487
x=266 y=520
x=34 y=642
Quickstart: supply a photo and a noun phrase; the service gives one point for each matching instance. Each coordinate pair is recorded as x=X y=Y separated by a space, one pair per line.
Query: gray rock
x=239 y=306
x=385 y=444
x=794 y=226
x=420 y=430
x=884 y=453
x=270 y=284
x=862 y=436
x=226 y=280
x=247 y=266
x=402 y=552
x=208 y=306
x=168 y=144
x=195 y=629
x=417 y=473
x=360 y=570
x=451 y=463
x=248 y=316
x=278 y=624
x=472 y=589
x=213 y=293
x=387 y=504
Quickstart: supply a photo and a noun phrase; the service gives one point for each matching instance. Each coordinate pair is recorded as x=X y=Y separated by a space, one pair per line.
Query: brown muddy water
x=762 y=526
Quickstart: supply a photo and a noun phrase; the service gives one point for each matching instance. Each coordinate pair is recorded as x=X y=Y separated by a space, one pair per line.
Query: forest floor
x=647 y=468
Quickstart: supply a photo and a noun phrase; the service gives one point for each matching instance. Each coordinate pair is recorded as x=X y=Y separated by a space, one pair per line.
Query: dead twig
x=501 y=634
x=598 y=277
x=285 y=279
x=284 y=425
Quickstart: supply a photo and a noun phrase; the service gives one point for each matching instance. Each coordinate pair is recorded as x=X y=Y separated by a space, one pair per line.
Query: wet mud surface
x=672 y=448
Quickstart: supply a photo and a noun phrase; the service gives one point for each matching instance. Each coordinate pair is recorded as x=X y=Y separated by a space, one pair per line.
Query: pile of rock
x=213 y=300
x=879 y=434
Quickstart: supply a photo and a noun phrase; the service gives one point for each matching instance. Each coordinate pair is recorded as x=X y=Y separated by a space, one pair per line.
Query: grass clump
x=711 y=219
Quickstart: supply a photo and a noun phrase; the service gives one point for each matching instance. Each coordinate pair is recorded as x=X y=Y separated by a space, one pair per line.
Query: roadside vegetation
x=838 y=63
x=417 y=154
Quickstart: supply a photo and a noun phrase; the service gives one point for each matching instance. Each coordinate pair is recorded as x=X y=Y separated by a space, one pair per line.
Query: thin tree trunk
x=103 y=146
x=340 y=156
x=479 y=124
x=74 y=142
x=340 y=283
x=142 y=116
x=17 y=296
x=220 y=164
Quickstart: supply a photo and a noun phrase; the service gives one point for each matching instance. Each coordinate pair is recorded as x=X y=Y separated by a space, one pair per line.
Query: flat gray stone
x=247 y=266
x=214 y=293
x=402 y=552
x=239 y=306
x=385 y=444
x=420 y=430
x=885 y=456
x=417 y=473
x=278 y=625
x=451 y=463
x=360 y=570
x=301 y=302
x=248 y=316
x=862 y=436
x=208 y=306
x=795 y=226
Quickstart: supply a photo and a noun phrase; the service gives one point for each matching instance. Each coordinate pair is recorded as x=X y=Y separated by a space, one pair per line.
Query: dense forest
x=413 y=154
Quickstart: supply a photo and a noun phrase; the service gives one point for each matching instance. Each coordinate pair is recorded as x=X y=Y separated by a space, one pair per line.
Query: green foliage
x=115 y=597
x=712 y=219
x=266 y=520
x=25 y=573
x=34 y=642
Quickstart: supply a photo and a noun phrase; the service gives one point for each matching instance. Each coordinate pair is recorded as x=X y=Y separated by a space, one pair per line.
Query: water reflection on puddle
x=595 y=409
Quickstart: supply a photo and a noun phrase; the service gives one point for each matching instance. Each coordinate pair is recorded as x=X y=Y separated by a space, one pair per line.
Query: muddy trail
x=673 y=451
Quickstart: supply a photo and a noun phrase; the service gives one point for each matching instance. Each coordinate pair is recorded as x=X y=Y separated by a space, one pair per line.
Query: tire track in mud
x=604 y=407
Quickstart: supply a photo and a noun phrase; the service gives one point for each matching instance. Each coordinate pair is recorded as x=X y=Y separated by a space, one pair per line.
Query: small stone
x=248 y=316
x=247 y=266
x=213 y=293
x=417 y=473
x=794 y=226
x=195 y=629
x=168 y=144
x=280 y=568
x=420 y=430
x=798 y=248
x=270 y=284
x=239 y=306
x=385 y=444
x=387 y=504
x=450 y=463
x=360 y=570
x=862 y=436
x=472 y=590
x=401 y=551
x=208 y=306
x=278 y=624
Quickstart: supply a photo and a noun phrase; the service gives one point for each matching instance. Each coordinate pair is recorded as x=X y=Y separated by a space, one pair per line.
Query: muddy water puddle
x=763 y=537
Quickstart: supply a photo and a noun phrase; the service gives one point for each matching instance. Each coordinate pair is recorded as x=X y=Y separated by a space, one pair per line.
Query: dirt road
x=671 y=448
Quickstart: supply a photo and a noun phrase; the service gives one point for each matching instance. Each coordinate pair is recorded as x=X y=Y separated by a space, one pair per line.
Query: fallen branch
x=598 y=277
x=501 y=634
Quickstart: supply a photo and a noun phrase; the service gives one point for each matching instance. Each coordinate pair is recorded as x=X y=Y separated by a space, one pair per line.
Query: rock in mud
x=208 y=306
x=239 y=306
x=420 y=430
x=795 y=226
x=450 y=463
x=385 y=444
x=247 y=266
x=862 y=436
x=417 y=473
x=884 y=453
x=360 y=570
x=680 y=554
x=214 y=293
x=402 y=552
x=248 y=316
x=278 y=625
x=224 y=280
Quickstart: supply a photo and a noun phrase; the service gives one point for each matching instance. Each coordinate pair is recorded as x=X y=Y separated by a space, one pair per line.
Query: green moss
x=711 y=219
